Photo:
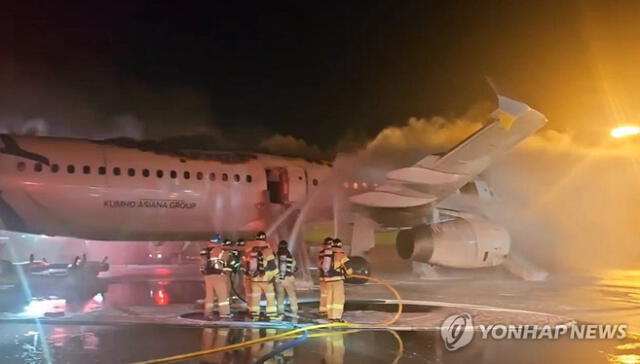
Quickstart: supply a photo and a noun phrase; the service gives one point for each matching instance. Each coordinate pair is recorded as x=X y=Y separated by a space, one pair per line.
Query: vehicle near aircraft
x=136 y=190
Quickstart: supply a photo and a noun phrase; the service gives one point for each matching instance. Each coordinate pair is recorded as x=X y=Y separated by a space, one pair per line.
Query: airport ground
x=135 y=313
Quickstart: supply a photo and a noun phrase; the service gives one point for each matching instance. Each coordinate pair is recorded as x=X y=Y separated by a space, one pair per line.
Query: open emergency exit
x=286 y=184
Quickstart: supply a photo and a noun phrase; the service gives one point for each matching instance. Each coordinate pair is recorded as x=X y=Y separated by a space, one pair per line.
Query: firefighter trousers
x=334 y=298
x=286 y=287
x=257 y=289
x=216 y=286
x=323 y=298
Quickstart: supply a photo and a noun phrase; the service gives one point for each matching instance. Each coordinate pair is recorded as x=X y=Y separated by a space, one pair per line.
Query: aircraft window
x=37 y=167
x=186 y=175
x=86 y=169
x=71 y=168
x=116 y=171
x=159 y=173
x=199 y=176
x=315 y=181
x=145 y=172
x=236 y=177
x=21 y=166
x=131 y=172
x=249 y=178
x=212 y=176
x=102 y=170
x=174 y=174
x=55 y=168
x=225 y=177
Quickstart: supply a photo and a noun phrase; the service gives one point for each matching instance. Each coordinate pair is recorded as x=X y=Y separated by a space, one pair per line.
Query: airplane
x=129 y=190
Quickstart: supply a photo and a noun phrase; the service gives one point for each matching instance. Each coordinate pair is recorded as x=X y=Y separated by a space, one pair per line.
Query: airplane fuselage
x=131 y=191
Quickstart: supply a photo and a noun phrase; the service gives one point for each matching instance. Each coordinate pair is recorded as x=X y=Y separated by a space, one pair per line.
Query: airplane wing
x=433 y=178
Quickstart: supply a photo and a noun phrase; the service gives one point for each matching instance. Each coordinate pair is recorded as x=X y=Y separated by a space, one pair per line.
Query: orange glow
x=625 y=358
x=625 y=131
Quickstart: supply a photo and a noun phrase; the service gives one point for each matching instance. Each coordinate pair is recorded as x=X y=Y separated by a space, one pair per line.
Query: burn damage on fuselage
x=171 y=150
x=188 y=148
x=11 y=147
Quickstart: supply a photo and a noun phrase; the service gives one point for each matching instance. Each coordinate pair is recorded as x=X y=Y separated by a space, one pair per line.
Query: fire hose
x=290 y=333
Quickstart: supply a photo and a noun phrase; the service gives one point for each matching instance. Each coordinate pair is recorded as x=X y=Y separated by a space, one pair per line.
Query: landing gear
x=360 y=266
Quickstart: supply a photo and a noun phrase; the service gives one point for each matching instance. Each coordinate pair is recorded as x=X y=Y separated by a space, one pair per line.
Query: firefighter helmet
x=240 y=242
x=337 y=243
x=261 y=235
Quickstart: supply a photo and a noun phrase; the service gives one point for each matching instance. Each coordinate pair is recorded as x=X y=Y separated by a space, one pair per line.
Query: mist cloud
x=290 y=146
x=568 y=205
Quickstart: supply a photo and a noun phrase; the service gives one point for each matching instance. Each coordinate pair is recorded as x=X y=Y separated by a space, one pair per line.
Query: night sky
x=318 y=71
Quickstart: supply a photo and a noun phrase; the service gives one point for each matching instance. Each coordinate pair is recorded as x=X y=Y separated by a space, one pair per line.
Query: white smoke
x=125 y=125
x=291 y=146
x=568 y=205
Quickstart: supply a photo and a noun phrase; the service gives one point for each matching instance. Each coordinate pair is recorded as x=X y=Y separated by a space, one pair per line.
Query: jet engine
x=465 y=242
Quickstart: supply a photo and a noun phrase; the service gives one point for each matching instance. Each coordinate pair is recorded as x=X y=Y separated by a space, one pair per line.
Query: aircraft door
x=297 y=184
x=277 y=185
x=286 y=185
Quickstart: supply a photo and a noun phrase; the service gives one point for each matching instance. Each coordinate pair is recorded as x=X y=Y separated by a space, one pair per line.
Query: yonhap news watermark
x=458 y=331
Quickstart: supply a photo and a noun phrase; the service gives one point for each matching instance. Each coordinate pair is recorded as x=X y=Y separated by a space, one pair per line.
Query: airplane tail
x=513 y=122
x=432 y=178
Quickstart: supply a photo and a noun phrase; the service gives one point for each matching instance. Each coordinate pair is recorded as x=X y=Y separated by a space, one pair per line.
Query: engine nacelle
x=469 y=242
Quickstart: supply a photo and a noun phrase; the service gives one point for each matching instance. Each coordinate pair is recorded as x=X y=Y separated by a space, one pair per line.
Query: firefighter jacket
x=213 y=260
x=332 y=264
x=235 y=260
x=286 y=264
x=259 y=262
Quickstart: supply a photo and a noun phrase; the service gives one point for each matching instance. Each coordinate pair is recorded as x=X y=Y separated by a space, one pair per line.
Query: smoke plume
x=568 y=205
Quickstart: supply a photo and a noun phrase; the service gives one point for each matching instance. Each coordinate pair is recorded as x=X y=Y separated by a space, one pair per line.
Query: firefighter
x=326 y=249
x=285 y=283
x=334 y=270
x=214 y=268
x=227 y=245
x=235 y=264
x=260 y=266
x=246 y=279
x=235 y=257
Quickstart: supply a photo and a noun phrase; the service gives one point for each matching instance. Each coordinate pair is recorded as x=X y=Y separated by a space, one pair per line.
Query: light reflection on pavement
x=603 y=297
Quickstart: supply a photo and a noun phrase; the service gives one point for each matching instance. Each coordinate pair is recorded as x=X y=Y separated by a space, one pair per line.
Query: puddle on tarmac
x=31 y=343
x=23 y=343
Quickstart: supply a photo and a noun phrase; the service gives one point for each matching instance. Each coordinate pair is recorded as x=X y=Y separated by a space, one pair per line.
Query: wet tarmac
x=152 y=313
x=22 y=343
